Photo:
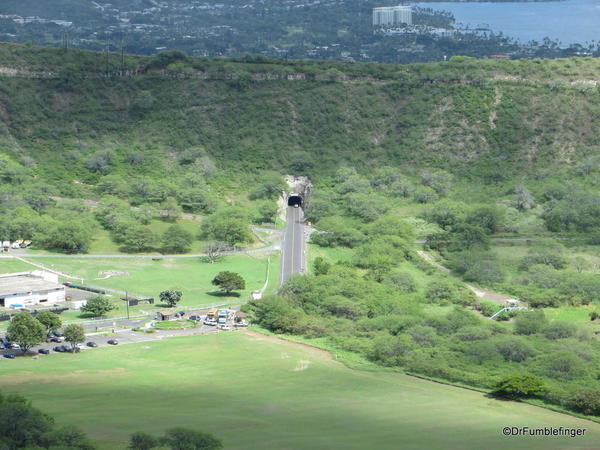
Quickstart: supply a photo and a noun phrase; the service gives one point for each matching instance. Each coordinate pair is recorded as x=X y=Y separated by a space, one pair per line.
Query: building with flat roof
x=392 y=15
x=25 y=289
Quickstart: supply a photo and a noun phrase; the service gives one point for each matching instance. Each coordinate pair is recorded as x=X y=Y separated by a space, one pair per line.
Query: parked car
x=92 y=344
x=181 y=313
x=224 y=327
x=61 y=349
x=80 y=346
x=55 y=339
x=15 y=346
x=55 y=333
x=112 y=342
x=195 y=317
x=9 y=356
x=44 y=351
x=240 y=324
x=210 y=322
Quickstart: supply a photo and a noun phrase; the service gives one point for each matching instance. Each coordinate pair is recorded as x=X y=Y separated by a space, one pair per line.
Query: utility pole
x=127 y=301
x=107 y=44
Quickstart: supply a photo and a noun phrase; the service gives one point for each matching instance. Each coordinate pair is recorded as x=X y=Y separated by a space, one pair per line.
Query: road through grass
x=258 y=392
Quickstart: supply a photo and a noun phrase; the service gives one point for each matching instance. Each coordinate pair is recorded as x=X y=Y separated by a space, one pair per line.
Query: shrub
x=561 y=366
x=560 y=330
x=586 y=401
x=402 y=281
x=530 y=322
x=518 y=386
x=514 y=349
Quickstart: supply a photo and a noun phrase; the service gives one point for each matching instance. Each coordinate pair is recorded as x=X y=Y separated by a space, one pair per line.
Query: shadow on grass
x=223 y=294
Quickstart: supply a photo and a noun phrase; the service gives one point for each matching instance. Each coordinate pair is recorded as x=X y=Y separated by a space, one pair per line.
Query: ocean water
x=569 y=21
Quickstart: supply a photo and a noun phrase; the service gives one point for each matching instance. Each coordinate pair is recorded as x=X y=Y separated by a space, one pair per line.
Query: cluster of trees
x=28 y=330
x=130 y=229
x=22 y=426
x=178 y=438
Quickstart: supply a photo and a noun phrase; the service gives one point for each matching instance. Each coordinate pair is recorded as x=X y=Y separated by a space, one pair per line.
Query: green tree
x=26 y=331
x=229 y=225
x=270 y=186
x=170 y=209
x=229 y=281
x=97 y=306
x=171 y=297
x=74 y=334
x=50 y=320
x=71 y=236
x=518 y=386
x=176 y=240
x=142 y=441
x=184 y=439
x=266 y=212
x=21 y=425
x=137 y=238
x=321 y=266
x=67 y=438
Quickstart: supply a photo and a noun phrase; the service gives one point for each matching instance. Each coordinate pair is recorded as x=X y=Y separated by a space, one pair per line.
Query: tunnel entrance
x=294 y=200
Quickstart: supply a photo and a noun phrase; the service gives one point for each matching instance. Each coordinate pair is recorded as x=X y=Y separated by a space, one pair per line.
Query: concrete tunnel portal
x=294 y=200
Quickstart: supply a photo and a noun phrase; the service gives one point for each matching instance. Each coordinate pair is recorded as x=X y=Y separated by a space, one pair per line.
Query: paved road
x=292 y=260
x=122 y=336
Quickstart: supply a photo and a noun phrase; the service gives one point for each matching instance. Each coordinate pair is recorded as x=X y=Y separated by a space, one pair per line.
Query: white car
x=224 y=327
x=240 y=324
x=210 y=323
x=80 y=346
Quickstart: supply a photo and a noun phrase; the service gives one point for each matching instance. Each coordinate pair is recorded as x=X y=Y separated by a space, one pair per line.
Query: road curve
x=292 y=260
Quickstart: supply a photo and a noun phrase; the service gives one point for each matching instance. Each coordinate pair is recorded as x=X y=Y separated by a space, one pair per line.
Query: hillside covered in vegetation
x=492 y=165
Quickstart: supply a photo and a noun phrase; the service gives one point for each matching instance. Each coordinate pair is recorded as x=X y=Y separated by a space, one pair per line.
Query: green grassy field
x=253 y=391
x=8 y=265
x=147 y=277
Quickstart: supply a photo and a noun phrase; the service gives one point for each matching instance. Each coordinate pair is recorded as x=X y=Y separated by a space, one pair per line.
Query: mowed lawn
x=258 y=392
x=144 y=276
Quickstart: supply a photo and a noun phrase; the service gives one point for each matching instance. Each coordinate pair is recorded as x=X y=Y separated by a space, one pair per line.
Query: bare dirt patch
x=302 y=365
x=314 y=351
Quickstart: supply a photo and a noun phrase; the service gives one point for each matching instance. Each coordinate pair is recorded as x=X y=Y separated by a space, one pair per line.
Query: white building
x=392 y=15
x=24 y=289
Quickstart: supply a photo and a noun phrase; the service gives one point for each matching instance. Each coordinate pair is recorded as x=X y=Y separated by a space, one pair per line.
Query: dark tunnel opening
x=294 y=200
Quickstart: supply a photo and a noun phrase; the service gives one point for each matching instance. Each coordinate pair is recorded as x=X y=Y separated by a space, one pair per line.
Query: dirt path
x=501 y=299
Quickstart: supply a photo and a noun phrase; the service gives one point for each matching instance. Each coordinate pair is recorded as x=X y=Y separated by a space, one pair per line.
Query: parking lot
x=122 y=336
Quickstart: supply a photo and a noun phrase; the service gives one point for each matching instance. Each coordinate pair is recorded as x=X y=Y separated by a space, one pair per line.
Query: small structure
x=512 y=303
x=78 y=304
x=164 y=316
x=23 y=289
x=256 y=295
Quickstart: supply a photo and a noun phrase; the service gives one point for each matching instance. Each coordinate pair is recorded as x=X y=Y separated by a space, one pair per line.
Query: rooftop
x=23 y=284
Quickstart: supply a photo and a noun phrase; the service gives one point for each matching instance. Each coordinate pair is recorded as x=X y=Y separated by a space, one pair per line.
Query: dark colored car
x=9 y=356
x=55 y=339
x=194 y=317
x=113 y=342
x=181 y=313
x=91 y=344
x=44 y=351
x=61 y=348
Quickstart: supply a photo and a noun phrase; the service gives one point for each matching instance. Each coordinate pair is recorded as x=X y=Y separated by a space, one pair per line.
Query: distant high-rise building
x=392 y=15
